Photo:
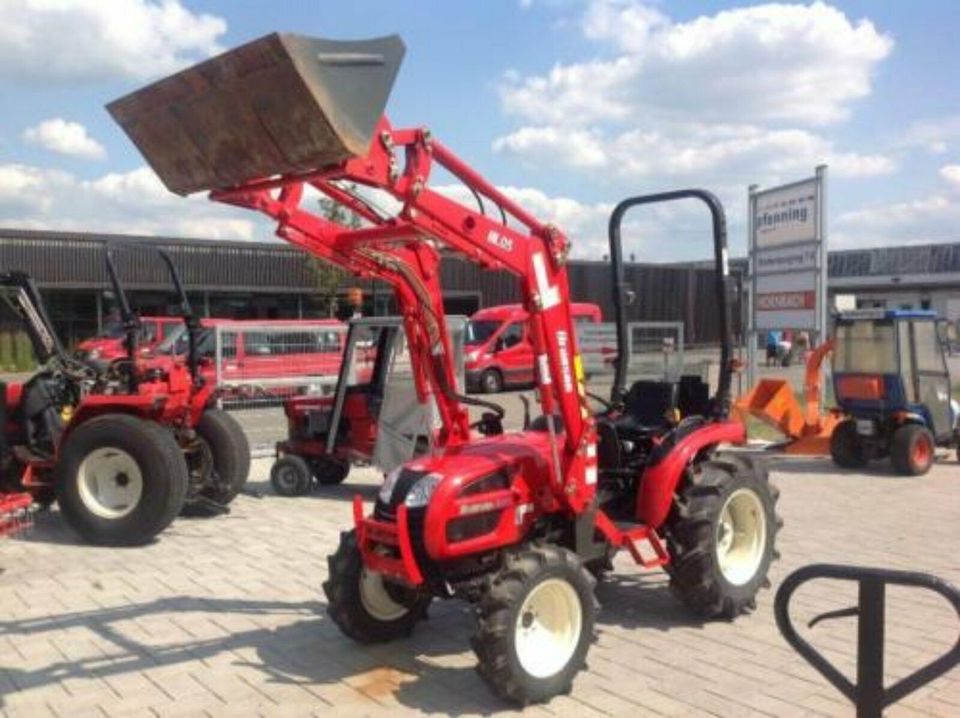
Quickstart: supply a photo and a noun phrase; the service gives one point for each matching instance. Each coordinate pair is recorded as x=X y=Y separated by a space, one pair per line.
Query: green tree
x=327 y=277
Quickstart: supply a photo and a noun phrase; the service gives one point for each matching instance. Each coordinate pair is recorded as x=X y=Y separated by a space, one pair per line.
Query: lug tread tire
x=492 y=640
x=695 y=577
x=345 y=607
x=231 y=454
x=163 y=467
x=299 y=466
x=901 y=449
x=846 y=449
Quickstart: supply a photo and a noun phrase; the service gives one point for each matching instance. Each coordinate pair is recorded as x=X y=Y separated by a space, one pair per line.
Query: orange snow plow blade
x=773 y=402
x=281 y=104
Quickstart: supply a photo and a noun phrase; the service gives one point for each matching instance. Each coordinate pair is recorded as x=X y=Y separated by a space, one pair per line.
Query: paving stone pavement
x=225 y=617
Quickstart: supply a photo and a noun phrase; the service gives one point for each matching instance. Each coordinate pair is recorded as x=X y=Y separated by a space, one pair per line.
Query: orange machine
x=808 y=430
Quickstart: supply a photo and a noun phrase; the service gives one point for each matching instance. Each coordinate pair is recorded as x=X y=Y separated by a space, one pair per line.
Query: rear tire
x=364 y=606
x=230 y=452
x=846 y=447
x=120 y=480
x=491 y=382
x=912 y=450
x=535 y=624
x=290 y=476
x=329 y=471
x=721 y=535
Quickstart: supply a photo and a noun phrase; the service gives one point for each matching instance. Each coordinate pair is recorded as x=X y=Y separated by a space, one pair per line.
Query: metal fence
x=654 y=349
x=257 y=365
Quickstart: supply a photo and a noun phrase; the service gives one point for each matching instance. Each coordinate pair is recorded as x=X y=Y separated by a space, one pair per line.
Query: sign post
x=788 y=261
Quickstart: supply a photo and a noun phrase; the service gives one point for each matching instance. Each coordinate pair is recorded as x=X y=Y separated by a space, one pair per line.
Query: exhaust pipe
x=281 y=104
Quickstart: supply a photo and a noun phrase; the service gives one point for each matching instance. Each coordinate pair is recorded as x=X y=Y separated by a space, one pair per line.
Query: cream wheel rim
x=110 y=483
x=548 y=628
x=377 y=600
x=741 y=536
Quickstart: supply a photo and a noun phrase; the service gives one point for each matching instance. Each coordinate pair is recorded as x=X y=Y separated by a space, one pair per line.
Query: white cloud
x=951 y=174
x=66 y=138
x=132 y=202
x=933 y=218
x=92 y=40
x=681 y=149
x=934 y=135
x=773 y=62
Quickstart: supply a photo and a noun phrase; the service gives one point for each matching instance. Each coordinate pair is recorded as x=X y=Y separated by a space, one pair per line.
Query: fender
x=141 y=405
x=658 y=483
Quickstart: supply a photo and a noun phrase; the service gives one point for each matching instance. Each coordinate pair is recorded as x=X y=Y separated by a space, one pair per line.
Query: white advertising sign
x=786 y=215
x=788 y=258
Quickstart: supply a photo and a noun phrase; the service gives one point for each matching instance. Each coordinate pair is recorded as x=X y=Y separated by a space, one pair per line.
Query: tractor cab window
x=929 y=356
x=865 y=347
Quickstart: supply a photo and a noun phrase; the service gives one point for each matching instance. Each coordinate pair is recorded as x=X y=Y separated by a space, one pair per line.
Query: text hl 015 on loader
x=510 y=521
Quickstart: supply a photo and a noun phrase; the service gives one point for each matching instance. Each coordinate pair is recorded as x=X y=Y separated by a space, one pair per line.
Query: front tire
x=120 y=480
x=290 y=476
x=846 y=447
x=721 y=535
x=367 y=608
x=535 y=624
x=230 y=453
x=912 y=450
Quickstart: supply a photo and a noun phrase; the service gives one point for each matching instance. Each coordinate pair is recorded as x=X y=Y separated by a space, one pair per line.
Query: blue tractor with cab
x=892 y=382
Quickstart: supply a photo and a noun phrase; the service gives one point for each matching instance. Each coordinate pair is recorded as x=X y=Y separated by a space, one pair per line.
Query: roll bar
x=622 y=290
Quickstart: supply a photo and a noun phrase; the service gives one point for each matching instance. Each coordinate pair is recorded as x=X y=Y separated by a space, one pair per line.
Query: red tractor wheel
x=224 y=472
x=912 y=450
x=365 y=606
x=535 y=624
x=290 y=476
x=721 y=535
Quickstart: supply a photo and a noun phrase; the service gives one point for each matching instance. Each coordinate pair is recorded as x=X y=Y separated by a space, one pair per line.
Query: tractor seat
x=645 y=406
x=693 y=396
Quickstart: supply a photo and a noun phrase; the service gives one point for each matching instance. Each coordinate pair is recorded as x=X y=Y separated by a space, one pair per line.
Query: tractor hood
x=281 y=104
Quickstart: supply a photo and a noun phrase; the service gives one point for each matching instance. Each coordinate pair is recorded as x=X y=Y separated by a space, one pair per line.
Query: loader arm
x=401 y=251
x=259 y=123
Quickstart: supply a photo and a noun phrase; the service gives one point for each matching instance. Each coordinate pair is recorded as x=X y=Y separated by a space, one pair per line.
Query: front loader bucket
x=283 y=103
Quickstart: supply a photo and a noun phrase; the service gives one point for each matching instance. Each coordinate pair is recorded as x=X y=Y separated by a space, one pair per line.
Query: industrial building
x=274 y=280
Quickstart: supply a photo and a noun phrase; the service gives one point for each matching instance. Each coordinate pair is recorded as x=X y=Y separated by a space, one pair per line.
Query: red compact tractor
x=122 y=449
x=517 y=523
x=374 y=417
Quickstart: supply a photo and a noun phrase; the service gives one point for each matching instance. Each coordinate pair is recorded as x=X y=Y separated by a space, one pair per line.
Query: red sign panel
x=785 y=301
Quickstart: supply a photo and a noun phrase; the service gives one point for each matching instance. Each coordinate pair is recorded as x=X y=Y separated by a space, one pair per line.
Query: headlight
x=472 y=356
x=386 y=491
x=419 y=495
x=94 y=354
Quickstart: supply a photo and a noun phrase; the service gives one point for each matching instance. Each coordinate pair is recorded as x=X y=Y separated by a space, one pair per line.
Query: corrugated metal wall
x=63 y=260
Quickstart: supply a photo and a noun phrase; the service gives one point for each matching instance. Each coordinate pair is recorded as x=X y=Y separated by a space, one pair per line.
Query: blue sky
x=567 y=105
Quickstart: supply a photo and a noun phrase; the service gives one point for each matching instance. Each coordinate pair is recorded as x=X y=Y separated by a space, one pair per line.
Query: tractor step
x=630 y=535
